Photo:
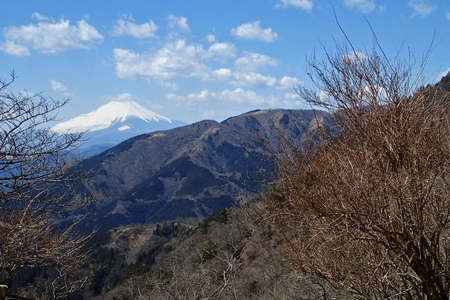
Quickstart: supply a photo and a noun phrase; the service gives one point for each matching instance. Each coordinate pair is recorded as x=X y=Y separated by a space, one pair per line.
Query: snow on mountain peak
x=106 y=115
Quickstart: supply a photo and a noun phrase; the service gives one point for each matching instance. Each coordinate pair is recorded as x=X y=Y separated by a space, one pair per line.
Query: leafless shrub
x=369 y=211
x=33 y=158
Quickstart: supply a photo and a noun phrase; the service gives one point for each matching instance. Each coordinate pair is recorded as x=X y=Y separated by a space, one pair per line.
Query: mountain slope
x=191 y=171
x=184 y=261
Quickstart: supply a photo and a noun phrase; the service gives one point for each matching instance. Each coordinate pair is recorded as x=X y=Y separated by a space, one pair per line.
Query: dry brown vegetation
x=369 y=211
x=234 y=254
x=32 y=158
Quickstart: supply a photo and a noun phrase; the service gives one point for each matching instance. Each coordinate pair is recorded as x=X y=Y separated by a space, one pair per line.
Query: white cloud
x=39 y=17
x=176 y=22
x=254 y=31
x=222 y=74
x=253 y=79
x=301 y=4
x=244 y=79
x=252 y=61
x=50 y=37
x=222 y=50
x=175 y=60
x=288 y=82
x=126 y=26
x=201 y=96
x=211 y=114
x=170 y=85
x=179 y=59
x=238 y=95
x=12 y=48
x=124 y=97
x=361 y=5
x=291 y=96
x=323 y=95
x=60 y=88
x=211 y=38
x=421 y=7
x=364 y=6
x=28 y=94
x=355 y=56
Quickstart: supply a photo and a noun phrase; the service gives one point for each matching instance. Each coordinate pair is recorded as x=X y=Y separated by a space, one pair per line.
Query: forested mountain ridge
x=190 y=171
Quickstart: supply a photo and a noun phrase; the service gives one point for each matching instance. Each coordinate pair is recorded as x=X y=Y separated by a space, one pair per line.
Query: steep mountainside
x=233 y=254
x=191 y=171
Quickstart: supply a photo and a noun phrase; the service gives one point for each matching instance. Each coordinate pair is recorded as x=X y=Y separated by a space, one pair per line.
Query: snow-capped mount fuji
x=114 y=112
x=113 y=123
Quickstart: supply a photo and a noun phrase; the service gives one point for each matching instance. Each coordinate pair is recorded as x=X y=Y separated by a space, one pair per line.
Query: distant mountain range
x=190 y=171
x=113 y=123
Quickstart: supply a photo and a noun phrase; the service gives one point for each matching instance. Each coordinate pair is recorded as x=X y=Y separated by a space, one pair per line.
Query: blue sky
x=200 y=59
